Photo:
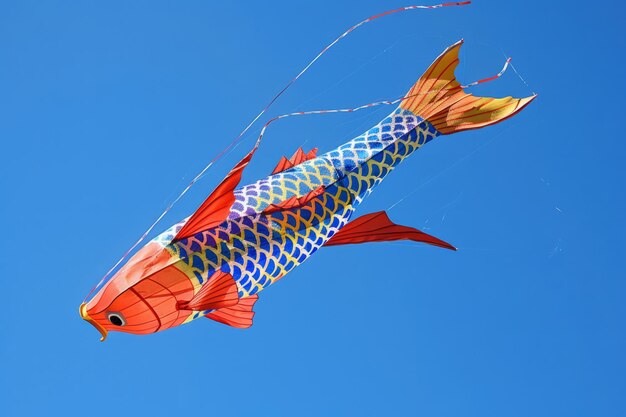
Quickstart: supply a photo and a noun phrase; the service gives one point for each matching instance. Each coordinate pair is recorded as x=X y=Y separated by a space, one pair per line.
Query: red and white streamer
x=484 y=80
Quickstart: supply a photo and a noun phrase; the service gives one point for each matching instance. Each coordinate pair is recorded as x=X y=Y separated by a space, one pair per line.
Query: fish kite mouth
x=98 y=326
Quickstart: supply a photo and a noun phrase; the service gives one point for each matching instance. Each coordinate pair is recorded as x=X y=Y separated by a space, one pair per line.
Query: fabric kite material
x=242 y=239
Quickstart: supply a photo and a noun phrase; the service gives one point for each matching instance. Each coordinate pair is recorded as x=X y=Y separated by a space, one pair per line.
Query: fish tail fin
x=439 y=98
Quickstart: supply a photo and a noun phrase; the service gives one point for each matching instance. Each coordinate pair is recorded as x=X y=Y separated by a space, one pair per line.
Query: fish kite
x=241 y=240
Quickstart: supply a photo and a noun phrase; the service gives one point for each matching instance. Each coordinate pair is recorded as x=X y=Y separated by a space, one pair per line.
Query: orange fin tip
x=297 y=158
x=239 y=315
x=216 y=207
x=377 y=227
x=218 y=292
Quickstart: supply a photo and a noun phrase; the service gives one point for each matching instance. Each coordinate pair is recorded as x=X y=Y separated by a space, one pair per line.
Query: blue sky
x=109 y=108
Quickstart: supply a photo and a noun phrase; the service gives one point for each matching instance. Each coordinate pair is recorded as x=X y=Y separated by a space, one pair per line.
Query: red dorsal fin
x=293 y=202
x=216 y=207
x=239 y=315
x=377 y=227
x=297 y=158
x=219 y=291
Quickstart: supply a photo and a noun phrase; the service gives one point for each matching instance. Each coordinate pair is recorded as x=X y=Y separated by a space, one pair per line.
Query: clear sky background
x=107 y=109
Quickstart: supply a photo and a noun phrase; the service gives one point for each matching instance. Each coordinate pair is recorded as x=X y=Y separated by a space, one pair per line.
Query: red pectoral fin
x=377 y=227
x=293 y=202
x=297 y=158
x=219 y=291
x=239 y=315
x=216 y=207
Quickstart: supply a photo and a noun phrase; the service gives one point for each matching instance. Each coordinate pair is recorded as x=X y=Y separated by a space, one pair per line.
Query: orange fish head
x=142 y=298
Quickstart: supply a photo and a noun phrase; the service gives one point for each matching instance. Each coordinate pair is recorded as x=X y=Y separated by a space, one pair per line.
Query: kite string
x=448 y=168
x=523 y=80
x=258 y=116
x=519 y=75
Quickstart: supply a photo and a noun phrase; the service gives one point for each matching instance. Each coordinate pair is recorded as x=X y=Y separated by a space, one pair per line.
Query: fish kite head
x=142 y=297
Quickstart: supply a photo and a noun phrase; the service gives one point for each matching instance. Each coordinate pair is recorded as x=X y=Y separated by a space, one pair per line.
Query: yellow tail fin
x=439 y=98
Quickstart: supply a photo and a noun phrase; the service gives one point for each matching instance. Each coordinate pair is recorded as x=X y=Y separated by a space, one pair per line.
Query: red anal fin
x=297 y=158
x=293 y=202
x=216 y=207
x=239 y=315
x=377 y=227
x=220 y=291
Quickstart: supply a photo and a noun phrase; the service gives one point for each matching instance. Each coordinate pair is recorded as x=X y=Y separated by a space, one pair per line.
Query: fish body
x=289 y=236
x=242 y=240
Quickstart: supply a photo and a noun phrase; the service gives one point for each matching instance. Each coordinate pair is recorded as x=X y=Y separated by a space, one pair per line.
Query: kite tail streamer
x=448 y=107
x=254 y=120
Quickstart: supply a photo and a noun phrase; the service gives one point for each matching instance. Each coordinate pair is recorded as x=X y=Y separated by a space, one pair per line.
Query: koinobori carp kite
x=241 y=240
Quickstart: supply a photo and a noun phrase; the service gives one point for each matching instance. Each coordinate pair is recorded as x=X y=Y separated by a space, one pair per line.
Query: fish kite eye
x=116 y=319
